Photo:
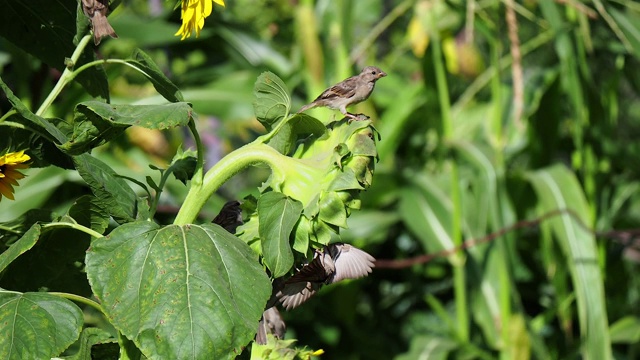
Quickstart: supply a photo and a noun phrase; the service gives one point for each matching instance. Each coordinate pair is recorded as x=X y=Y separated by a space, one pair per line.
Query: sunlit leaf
x=272 y=101
x=557 y=188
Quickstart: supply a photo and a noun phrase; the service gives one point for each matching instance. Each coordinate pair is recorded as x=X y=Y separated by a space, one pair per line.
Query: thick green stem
x=459 y=278
x=230 y=165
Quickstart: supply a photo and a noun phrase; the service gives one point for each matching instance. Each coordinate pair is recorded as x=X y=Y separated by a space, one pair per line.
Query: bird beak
x=382 y=74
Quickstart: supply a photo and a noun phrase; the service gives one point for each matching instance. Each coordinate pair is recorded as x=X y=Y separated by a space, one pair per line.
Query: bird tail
x=101 y=28
x=307 y=107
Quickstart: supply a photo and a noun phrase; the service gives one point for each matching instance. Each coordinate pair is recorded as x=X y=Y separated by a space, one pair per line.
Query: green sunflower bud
x=318 y=185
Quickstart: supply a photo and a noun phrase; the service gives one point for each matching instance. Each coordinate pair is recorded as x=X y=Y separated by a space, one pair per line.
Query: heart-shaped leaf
x=36 y=325
x=180 y=292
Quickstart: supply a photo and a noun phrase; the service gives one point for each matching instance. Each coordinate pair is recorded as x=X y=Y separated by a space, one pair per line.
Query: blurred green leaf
x=625 y=330
x=272 y=102
x=36 y=325
x=277 y=216
x=429 y=347
x=427 y=212
x=179 y=292
x=557 y=188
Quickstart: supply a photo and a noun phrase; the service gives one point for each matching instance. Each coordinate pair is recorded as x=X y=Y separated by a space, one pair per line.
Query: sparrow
x=336 y=262
x=96 y=11
x=271 y=323
x=230 y=216
x=351 y=91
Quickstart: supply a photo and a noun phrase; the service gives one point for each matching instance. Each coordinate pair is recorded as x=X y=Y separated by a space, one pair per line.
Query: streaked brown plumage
x=230 y=216
x=96 y=11
x=271 y=323
x=348 y=92
x=336 y=262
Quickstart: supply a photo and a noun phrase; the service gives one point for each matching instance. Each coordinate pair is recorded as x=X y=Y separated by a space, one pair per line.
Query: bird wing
x=313 y=271
x=352 y=263
x=344 y=89
x=294 y=294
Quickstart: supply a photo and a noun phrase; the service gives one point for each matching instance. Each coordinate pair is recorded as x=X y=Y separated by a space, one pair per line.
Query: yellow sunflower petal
x=6 y=190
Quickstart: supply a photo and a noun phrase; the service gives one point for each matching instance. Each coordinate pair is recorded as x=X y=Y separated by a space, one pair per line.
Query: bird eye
x=373 y=72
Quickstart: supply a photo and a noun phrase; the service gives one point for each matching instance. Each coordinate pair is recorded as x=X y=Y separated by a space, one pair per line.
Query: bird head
x=372 y=73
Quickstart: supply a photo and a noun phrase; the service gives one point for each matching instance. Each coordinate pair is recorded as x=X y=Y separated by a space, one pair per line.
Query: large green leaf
x=113 y=192
x=277 y=215
x=557 y=188
x=46 y=30
x=180 y=292
x=96 y=122
x=36 y=325
x=272 y=102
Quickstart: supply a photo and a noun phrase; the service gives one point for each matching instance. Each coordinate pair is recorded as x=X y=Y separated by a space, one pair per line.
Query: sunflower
x=193 y=14
x=9 y=174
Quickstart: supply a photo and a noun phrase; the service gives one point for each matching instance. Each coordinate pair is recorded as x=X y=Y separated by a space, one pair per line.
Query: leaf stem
x=75 y=226
x=228 y=166
x=67 y=76
x=7 y=115
x=80 y=299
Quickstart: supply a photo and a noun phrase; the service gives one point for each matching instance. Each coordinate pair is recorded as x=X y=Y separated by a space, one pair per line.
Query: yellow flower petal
x=6 y=190
x=193 y=14
x=9 y=176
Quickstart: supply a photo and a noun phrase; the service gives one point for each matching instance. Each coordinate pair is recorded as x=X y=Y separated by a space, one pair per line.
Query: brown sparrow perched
x=348 y=92
x=336 y=262
x=96 y=11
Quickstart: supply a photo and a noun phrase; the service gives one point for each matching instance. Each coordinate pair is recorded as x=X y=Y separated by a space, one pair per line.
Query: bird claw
x=356 y=117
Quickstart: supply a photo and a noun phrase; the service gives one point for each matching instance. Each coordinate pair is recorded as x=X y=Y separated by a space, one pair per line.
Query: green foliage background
x=466 y=149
